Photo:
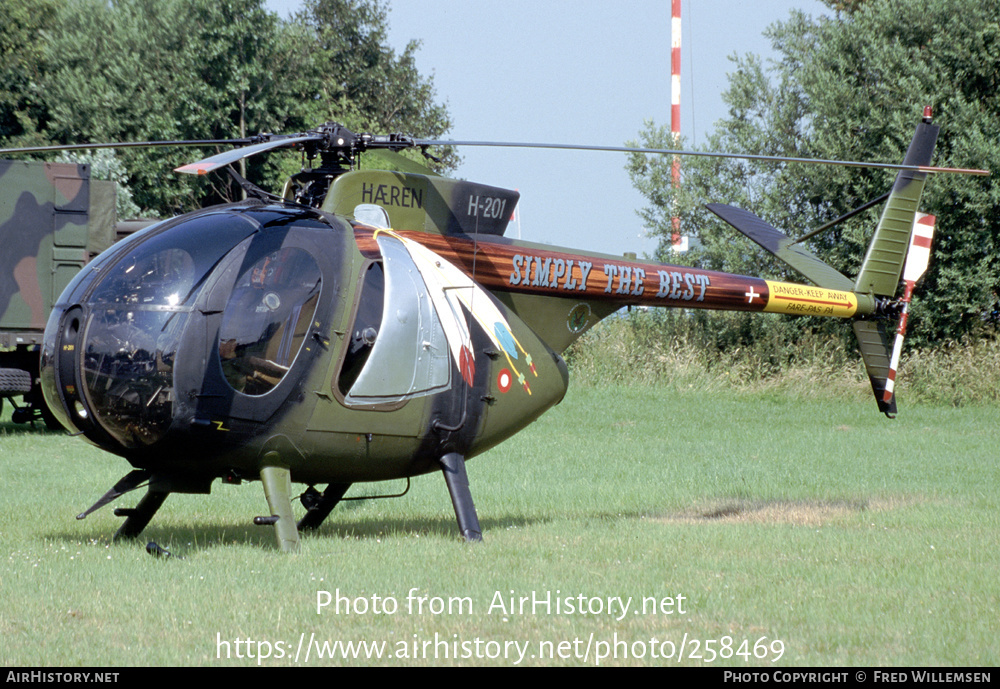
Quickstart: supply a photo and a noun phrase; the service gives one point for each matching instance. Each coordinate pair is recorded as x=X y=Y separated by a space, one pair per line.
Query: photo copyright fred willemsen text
x=505 y=605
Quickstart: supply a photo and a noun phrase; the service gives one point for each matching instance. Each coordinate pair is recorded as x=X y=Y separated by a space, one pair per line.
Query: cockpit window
x=367 y=324
x=165 y=270
x=267 y=319
x=372 y=215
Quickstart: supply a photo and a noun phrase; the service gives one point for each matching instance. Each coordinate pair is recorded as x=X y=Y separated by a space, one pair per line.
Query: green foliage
x=163 y=70
x=852 y=87
x=363 y=83
x=725 y=352
x=21 y=26
x=720 y=352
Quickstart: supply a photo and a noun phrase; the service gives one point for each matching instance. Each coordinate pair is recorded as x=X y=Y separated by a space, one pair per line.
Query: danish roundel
x=504 y=380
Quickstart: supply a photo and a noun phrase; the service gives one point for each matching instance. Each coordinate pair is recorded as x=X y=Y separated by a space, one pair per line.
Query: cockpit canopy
x=128 y=319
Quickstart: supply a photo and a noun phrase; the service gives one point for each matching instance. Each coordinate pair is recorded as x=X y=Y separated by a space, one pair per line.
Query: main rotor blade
x=387 y=159
x=126 y=144
x=203 y=167
x=702 y=154
x=373 y=143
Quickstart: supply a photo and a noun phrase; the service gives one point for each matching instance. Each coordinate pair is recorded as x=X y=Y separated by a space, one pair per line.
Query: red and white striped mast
x=675 y=114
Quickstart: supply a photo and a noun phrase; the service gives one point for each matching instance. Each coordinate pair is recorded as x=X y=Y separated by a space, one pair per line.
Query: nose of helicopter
x=111 y=342
x=203 y=315
x=124 y=360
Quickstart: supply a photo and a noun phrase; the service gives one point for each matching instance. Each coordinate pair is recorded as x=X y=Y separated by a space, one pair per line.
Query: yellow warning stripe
x=803 y=300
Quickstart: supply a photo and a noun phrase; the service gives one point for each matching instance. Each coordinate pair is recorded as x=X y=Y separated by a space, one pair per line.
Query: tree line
x=851 y=84
x=74 y=71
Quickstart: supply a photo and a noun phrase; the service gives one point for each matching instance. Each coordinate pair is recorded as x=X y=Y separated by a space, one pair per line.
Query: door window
x=267 y=319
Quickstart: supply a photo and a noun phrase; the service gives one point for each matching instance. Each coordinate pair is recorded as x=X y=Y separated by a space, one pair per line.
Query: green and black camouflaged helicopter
x=370 y=325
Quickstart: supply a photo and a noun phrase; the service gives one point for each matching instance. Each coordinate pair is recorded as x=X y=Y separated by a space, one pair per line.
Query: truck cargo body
x=53 y=219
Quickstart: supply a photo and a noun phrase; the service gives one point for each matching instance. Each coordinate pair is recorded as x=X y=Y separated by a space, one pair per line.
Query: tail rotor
x=917 y=259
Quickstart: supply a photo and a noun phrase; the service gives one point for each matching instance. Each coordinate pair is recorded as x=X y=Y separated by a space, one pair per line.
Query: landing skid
x=277 y=490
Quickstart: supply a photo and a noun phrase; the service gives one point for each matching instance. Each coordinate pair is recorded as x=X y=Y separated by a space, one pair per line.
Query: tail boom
x=503 y=265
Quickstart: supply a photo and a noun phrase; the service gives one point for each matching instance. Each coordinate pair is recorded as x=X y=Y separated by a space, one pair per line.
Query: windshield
x=139 y=307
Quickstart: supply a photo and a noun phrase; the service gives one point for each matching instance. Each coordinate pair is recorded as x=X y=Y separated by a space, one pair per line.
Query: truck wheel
x=14 y=381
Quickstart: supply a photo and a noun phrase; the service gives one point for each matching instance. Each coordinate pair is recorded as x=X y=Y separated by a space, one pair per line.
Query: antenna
x=675 y=114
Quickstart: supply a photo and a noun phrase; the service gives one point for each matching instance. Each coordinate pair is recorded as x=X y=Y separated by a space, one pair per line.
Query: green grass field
x=756 y=529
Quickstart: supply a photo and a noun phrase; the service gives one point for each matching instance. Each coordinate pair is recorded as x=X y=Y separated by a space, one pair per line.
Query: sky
x=579 y=72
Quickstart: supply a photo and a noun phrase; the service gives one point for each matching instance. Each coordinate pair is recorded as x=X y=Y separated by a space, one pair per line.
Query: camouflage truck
x=53 y=219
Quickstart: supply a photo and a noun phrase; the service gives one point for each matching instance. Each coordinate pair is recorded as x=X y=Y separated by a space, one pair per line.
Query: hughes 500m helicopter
x=371 y=325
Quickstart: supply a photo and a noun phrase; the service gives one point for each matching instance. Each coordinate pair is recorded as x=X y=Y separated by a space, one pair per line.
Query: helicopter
x=369 y=325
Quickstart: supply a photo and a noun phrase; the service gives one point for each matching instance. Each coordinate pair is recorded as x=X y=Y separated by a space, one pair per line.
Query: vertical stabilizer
x=883 y=265
x=874 y=346
x=887 y=252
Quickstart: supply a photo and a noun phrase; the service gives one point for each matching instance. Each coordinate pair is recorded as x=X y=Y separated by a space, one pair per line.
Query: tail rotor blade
x=919 y=255
x=917 y=259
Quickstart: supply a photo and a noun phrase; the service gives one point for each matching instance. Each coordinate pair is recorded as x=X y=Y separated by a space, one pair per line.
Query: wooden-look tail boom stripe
x=504 y=266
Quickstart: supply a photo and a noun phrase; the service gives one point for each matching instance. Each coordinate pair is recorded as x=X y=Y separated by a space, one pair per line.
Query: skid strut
x=137 y=518
x=319 y=509
x=278 y=489
x=453 y=466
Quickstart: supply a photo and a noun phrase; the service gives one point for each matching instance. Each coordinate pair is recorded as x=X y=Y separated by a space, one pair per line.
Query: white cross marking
x=750 y=295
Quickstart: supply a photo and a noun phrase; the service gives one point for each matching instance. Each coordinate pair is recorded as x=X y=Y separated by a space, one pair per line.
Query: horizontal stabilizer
x=783 y=247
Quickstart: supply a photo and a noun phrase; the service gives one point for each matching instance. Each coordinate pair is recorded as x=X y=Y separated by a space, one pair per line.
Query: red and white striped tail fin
x=917 y=258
